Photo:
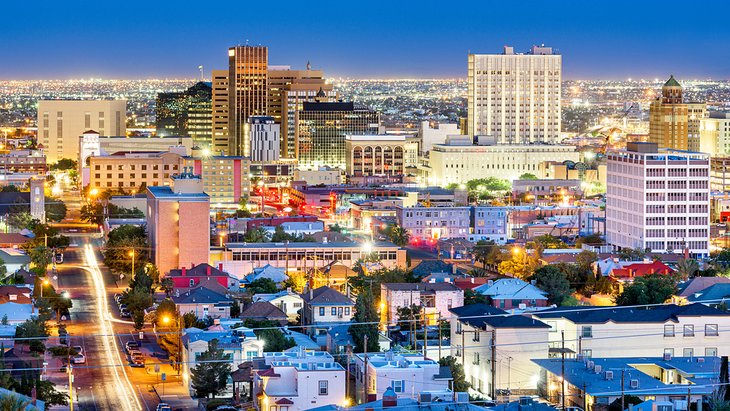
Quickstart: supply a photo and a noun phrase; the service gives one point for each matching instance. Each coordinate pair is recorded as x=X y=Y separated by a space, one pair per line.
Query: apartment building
x=225 y=178
x=130 y=171
x=682 y=331
x=658 y=200
x=426 y=223
x=496 y=348
x=219 y=115
x=515 y=97
x=715 y=134
x=24 y=161
x=435 y=299
x=490 y=224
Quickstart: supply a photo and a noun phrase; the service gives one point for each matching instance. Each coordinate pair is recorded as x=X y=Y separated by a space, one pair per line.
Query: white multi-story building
x=678 y=330
x=715 y=134
x=436 y=133
x=61 y=122
x=426 y=223
x=408 y=375
x=298 y=380
x=496 y=349
x=490 y=223
x=436 y=299
x=658 y=200
x=265 y=139
x=459 y=160
x=515 y=97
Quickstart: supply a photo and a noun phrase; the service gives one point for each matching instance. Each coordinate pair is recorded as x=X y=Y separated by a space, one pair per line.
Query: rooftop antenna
x=200 y=67
x=309 y=65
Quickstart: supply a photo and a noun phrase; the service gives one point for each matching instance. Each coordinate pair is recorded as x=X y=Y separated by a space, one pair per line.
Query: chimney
x=207 y=270
x=311 y=293
x=220 y=266
x=184 y=271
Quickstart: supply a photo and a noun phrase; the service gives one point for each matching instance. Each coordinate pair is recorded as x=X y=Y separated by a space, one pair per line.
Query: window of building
x=333 y=311
x=321 y=310
x=669 y=330
x=586 y=331
x=689 y=330
x=476 y=358
x=399 y=386
x=669 y=351
x=711 y=351
x=688 y=352
x=323 y=387
x=587 y=353
x=711 y=330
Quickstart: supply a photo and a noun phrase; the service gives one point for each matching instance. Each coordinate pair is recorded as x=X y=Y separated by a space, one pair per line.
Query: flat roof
x=166 y=192
x=308 y=245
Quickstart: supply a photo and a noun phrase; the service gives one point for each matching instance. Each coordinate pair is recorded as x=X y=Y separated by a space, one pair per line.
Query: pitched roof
x=13 y=238
x=481 y=315
x=200 y=270
x=200 y=295
x=602 y=315
x=641 y=269
x=713 y=294
x=672 y=82
x=511 y=289
x=263 y=309
x=325 y=296
x=426 y=267
x=697 y=284
x=275 y=274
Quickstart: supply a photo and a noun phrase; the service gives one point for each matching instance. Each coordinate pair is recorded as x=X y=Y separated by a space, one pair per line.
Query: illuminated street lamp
x=43 y=284
x=131 y=254
x=166 y=320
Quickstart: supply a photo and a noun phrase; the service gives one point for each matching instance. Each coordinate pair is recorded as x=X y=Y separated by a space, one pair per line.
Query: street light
x=178 y=333
x=131 y=254
x=43 y=284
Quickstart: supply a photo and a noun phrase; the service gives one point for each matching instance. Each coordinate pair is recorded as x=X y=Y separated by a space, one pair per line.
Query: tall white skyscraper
x=658 y=199
x=515 y=97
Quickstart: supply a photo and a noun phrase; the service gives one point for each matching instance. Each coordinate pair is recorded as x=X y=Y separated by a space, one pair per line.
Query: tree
x=280 y=235
x=335 y=228
x=256 y=235
x=64 y=164
x=261 y=286
x=14 y=402
x=554 y=282
x=687 y=268
x=40 y=257
x=649 y=289
x=166 y=308
x=92 y=213
x=528 y=176
x=268 y=331
x=408 y=315
x=632 y=254
x=137 y=300
x=521 y=265
x=591 y=239
x=585 y=259
x=33 y=332
x=210 y=376
x=365 y=323
x=297 y=280
x=55 y=209
x=473 y=297
x=121 y=242
x=457 y=373
x=398 y=235
x=627 y=402
x=20 y=220
x=167 y=285
x=483 y=249
x=550 y=241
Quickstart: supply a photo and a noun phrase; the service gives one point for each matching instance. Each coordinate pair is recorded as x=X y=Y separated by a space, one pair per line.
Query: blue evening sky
x=366 y=38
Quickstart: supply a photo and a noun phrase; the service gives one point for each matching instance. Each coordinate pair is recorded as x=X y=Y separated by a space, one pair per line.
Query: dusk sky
x=373 y=39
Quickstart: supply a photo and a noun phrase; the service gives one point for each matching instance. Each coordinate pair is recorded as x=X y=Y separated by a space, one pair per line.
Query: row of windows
x=335 y=311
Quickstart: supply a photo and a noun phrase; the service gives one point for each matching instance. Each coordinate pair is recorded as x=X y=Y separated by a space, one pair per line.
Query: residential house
x=264 y=311
x=696 y=287
x=428 y=267
x=687 y=330
x=297 y=381
x=187 y=278
x=594 y=383
x=34 y=404
x=427 y=401
x=436 y=299
x=14 y=259
x=626 y=273
x=203 y=302
x=339 y=339
x=241 y=344
x=16 y=304
x=325 y=307
x=513 y=293
x=495 y=348
x=407 y=374
x=714 y=296
x=13 y=240
x=275 y=274
x=289 y=302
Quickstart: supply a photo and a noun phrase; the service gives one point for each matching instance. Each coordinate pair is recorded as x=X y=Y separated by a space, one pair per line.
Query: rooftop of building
x=334 y=106
x=307 y=245
x=165 y=192
x=422 y=287
x=699 y=372
x=326 y=296
x=201 y=295
x=482 y=315
x=512 y=289
x=602 y=315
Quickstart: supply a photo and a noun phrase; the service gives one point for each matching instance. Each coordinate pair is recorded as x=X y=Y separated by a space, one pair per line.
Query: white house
x=289 y=302
x=298 y=380
x=435 y=298
x=240 y=343
x=496 y=348
x=407 y=374
x=686 y=330
x=324 y=308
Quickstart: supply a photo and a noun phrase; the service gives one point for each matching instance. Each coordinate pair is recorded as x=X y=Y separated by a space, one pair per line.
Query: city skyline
x=628 y=40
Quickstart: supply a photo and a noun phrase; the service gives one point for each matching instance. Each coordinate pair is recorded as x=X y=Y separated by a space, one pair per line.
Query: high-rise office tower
x=219 y=144
x=187 y=113
x=322 y=127
x=672 y=122
x=515 y=97
x=247 y=92
x=288 y=90
x=264 y=138
x=61 y=123
x=658 y=199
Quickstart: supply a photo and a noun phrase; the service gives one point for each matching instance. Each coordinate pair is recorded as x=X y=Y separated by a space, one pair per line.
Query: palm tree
x=399 y=235
x=687 y=268
x=13 y=402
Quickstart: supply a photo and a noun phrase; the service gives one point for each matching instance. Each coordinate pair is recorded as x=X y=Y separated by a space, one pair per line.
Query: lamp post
x=178 y=334
x=131 y=254
x=43 y=284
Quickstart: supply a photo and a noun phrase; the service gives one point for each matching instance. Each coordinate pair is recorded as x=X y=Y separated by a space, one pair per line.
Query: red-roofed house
x=187 y=278
x=628 y=272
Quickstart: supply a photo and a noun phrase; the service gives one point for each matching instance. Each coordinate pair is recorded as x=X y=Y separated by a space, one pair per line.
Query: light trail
x=126 y=393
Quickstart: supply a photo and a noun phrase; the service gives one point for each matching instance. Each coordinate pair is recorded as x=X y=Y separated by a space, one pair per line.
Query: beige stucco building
x=61 y=122
x=384 y=154
x=130 y=171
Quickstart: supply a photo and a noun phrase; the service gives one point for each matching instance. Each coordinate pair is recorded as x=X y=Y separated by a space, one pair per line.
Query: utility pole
x=494 y=364
x=70 y=373
x=365 y=380
x=425 y=335
x=622 y=389
x=562 y=371
x=439 y=338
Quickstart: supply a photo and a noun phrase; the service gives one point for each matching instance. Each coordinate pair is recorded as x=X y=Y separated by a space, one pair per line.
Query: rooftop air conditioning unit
x=522 y=306
x=667 y=356
x=609 y=375
x=590 y=365
x=700 y=359
x=634 y=384
x=598 y=369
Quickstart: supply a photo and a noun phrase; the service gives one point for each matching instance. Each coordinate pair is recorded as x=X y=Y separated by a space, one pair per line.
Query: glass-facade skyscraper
x=247 y=93
x=186 y=113
x=321 y=131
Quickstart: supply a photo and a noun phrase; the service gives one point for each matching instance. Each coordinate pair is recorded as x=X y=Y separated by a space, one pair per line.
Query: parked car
x=79 y=359
x=138 y=360
x=126 y=314
x=131 y=345
x=163 y=406
x=122 y=307
x=79 y=349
